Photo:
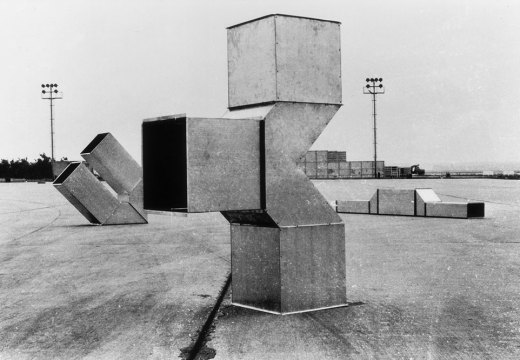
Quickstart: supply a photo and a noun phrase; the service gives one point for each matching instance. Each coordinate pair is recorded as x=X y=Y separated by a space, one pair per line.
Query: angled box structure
x=91 y=197
x=422 y=197
x=287 y=243
x=418 y=202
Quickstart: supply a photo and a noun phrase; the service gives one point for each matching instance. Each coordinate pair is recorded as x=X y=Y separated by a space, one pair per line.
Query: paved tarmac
x=418 y=288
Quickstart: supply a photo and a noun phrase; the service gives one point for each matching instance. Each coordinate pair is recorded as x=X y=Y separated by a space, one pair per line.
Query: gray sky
x=451 y=69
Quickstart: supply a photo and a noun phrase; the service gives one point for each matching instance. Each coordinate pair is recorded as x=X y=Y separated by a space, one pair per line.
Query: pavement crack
x=198 y=350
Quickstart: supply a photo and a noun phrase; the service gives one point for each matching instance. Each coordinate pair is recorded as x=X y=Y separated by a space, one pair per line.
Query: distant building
x=324 y=164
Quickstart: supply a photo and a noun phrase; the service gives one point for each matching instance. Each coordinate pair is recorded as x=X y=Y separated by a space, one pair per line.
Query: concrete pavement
x=418 y=288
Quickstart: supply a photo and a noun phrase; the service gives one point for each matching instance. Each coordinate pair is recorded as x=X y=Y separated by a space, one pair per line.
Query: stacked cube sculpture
x=287 y=242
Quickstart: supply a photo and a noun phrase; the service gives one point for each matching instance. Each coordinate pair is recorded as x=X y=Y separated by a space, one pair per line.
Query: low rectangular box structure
x=396 y=202
x=288 y=269
x=455 y=209
x=353 y=206
x=201 y=165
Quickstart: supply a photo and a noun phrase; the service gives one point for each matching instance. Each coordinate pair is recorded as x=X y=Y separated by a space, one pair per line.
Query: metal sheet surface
x=374 y=201
x=251 y=63
x=308 y=60
x=396 y=202
x=115 y=165
x=284 y=58
x=290 y=129
x=353 y=206
x=255 y=266
x=223 y=164
x=88 y=195
x=312 y=267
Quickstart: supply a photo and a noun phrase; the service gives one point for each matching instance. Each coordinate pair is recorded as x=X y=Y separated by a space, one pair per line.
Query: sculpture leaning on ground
x=91 y=198
x=418 y=202
x=287 y=242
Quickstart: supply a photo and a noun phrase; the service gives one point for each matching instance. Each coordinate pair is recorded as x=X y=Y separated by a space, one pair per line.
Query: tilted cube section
x=95 y=201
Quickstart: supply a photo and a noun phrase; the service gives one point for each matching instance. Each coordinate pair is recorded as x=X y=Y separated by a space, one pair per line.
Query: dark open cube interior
x=165 y=165
x=66 y=173
x=94 y=143
x=476 y=209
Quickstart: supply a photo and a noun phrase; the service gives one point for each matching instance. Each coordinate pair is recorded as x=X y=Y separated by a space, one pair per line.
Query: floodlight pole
x=53 y=94
x=374 y=89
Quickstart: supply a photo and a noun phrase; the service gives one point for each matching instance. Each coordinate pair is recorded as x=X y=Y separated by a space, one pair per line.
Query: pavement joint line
x=205 y=330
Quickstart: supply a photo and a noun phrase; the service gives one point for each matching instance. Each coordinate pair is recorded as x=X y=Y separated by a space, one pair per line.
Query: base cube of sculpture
x=288 y=269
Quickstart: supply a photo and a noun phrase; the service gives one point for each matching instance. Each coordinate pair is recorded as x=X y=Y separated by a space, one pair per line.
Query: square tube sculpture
x=418 y=202
x=91 y=197
x=287 y=243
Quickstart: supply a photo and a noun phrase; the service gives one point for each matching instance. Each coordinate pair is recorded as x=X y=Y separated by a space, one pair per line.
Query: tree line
x=40 y=169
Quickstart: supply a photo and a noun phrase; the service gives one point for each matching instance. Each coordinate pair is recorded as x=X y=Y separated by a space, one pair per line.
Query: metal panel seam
x=275 y=60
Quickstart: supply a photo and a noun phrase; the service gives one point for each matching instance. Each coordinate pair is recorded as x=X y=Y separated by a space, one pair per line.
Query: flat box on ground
x=396 y=202
x=353 y=206
x=288 y=269
x=201 y=165
x=455 y=209
x=284 y=58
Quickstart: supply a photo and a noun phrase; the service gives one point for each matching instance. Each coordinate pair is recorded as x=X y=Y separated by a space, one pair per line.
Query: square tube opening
x=66 y=173
x=165 y=165
x=475 y=210
x=94 y=143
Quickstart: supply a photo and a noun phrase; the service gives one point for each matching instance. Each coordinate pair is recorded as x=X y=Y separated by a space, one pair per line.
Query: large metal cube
x=288 y=269
x=201 y=165
x=284 y=58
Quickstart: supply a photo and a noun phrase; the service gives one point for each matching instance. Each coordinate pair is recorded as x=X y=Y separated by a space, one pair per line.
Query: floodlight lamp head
x=367 y=80
x=46 y=85
x=372 y=79
x=56 y=91
x=43 y=91
x=380 y=85
x=380 y=79
x=368 y=86
x=43 y=85
x=55 y=85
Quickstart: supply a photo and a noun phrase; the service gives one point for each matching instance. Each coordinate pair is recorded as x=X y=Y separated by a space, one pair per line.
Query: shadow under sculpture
x=287 y=242
x=91 y=198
